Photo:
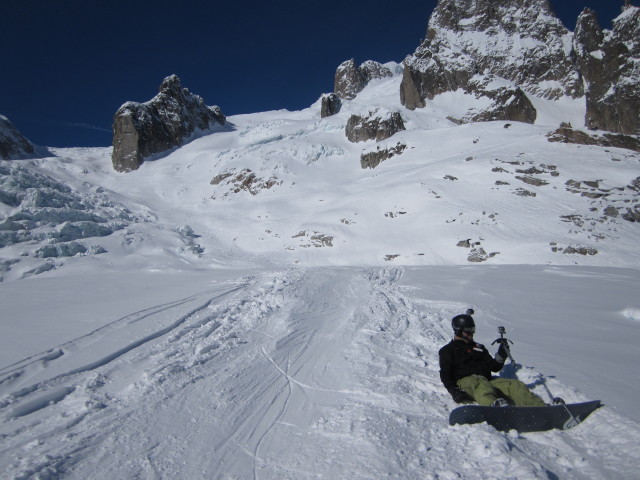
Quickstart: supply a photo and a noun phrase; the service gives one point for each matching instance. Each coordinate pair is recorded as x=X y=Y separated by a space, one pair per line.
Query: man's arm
x=497 y=362
x=448 y=378
x=446 y=369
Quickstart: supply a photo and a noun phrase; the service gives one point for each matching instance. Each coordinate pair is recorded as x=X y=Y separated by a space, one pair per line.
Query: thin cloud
x=86 y=126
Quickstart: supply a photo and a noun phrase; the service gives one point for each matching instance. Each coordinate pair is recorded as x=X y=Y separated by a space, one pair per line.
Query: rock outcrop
x=507 y=103
x=609 y=61
x=566 y=134
x=520 y=44
x=471 y=43
x=373 y=158
x=376 y=126
x=351 y=79
x=330 y=105
x=13 y=144
x=163 y=123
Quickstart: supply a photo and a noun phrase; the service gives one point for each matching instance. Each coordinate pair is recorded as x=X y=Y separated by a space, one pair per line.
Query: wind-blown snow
x=262 y=307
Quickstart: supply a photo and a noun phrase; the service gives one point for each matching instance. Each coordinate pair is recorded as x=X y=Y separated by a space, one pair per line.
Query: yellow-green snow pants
x=485 y=392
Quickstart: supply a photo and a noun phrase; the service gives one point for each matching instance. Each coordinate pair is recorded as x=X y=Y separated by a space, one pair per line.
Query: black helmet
x=463 y=322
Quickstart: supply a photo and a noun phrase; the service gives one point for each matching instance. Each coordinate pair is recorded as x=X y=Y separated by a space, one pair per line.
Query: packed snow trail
x=317 y=373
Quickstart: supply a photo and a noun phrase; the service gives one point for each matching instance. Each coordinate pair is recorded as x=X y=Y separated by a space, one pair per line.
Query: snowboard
x=525 y=419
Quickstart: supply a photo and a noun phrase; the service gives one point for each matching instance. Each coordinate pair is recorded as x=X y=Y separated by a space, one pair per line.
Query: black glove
x=460 y=396
x=502 y=353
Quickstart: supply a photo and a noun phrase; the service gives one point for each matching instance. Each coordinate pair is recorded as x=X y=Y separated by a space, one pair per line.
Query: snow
x=632 y=313
x=626 y=14
x=330 y=372
x=555 y=112
x=287 y=324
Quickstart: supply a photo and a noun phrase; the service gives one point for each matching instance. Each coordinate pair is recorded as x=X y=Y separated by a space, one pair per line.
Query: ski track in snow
x=317 y=373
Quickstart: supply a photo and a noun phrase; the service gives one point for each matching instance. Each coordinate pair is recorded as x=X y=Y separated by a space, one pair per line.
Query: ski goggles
x=469 y=329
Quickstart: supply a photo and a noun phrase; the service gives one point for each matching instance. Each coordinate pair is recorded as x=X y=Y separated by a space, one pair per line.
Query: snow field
x=284 y=374
x=288 y=190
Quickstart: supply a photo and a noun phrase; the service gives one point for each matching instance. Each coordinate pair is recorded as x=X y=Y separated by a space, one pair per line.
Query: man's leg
x=517 y=392
x=480 y=389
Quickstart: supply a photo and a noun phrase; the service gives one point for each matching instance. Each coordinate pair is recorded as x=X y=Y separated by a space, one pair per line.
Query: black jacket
x=459 y=359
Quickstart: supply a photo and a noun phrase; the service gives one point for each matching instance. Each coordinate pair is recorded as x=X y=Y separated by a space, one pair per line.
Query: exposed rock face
x=12 y=143
x=372 y=70
x=376 y=126
x=508 y=103
x=143 y=129
x=245 y=180
x=474 y=44
x=566 y=134
x=511 y=104
x=372 y=159
x=520 y=41
x=610 y=64
x=351 y=79
x=331 y=105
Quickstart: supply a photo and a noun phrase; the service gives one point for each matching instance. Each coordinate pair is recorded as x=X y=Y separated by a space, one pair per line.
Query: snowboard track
x=287 y=374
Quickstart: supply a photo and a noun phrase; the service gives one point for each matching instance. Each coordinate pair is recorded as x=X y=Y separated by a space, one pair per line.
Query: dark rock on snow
x=376 y=126
x=331 y=105
x=610 y=65
x=373 y=158
x=13 y=144
x=566 y=134
x=351 y=79
x=165 y=122
x=471 y=43
x=507 y=103
x=471 y=39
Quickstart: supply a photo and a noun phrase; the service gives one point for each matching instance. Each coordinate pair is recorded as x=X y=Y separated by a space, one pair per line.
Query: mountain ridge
x=288 y=188
x=471 y=44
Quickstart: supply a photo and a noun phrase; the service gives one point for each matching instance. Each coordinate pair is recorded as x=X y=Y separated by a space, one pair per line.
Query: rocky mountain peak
x=520 y=41
x=588 y=36
x=162 y=123
x=171 y=86
x=350 y=79
x=494 y=16
x=475 y=45
x=12 y=143
x=609 y=62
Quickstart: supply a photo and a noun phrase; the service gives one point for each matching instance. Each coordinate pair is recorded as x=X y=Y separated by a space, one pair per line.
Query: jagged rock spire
x=610 y=66
x=474 y=44
x=12 y=143
x=144 y=129
x=520 y=41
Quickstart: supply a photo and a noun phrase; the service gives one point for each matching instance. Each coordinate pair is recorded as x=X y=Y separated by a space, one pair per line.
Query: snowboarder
x=466 y=366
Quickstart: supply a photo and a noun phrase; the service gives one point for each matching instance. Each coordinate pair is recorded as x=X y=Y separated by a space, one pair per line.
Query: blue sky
x=68 y=65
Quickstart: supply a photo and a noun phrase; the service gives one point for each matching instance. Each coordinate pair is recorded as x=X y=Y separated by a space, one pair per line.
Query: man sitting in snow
x=466 y=366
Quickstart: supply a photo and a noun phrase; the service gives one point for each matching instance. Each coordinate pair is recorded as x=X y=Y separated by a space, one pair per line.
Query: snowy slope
x=288 y=187
x=284 y=320
x=321 y=372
